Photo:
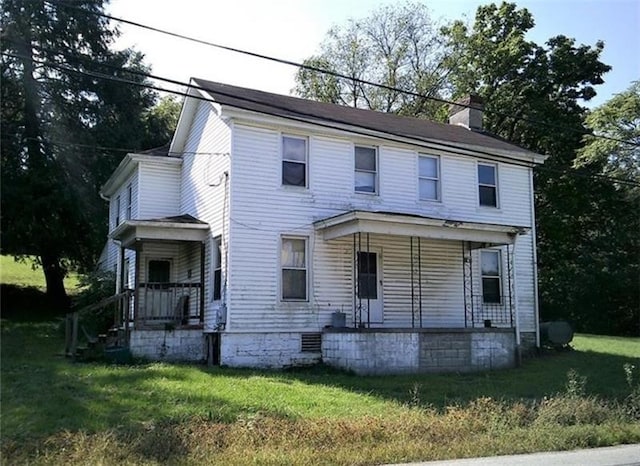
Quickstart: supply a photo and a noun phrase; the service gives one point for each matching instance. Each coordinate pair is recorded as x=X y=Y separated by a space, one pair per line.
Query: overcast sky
x=293 y=30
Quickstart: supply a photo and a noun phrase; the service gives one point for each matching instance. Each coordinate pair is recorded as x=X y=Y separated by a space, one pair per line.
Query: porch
x=428 y=295
x=409 y=271
x=167 y=277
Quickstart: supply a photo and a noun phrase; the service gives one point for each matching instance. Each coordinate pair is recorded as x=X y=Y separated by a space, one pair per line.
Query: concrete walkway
x=623 y=455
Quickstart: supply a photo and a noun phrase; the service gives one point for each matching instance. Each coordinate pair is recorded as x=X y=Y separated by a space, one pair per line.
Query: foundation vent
x=311 y=342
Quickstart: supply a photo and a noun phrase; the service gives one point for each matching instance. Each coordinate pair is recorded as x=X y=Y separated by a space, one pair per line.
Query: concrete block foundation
x=168 y=345
x=404 y=351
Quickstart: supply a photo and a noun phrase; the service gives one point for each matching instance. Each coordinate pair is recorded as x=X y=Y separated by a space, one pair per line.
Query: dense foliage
x=58 y=114
x=398 y=46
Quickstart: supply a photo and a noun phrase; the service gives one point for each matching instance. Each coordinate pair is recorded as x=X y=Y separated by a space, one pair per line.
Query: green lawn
x=58 y=412
x=27 y=274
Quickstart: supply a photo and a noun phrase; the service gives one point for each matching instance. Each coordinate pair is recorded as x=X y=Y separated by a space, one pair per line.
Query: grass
x=58 y=412
x=28 y=274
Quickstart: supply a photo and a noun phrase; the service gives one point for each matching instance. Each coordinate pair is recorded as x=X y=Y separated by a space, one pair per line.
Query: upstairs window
x=294 y=161
x=488 y=185
x=129 y=202
x=491 y=271
x=117 y=211
x=366 y=170
x=429 y=177
x=293 y=261
x=217 y=270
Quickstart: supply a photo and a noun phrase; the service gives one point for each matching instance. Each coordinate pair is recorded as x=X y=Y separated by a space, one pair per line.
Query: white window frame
x=376 y=183
x=494 y=186
x=437 y=179
x=498 y=252
x=129 y=201
x=216 y=266
x=305 y=163
x=306 y=268
x=117 y=211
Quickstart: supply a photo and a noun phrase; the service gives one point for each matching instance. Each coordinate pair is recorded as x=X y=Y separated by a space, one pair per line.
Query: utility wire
x=448 y=148
x=331 y=73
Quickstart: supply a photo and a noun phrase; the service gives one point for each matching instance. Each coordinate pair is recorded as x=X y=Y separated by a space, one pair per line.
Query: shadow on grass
x=14 y=300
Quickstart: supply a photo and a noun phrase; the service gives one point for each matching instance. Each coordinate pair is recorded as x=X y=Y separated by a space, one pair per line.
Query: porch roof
x=402 y=224
x=176 y=228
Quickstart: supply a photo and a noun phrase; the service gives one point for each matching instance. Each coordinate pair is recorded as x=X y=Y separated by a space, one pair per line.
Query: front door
x=369 y=294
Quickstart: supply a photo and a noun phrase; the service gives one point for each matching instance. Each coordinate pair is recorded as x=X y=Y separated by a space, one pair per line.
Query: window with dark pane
x=217 y=270
x=159 y=271
x=293 y=261
x=366 y=170
x=294 y=161
x=487 y=185
x=367 y=275
x=129 y=201
x=429 y=178
x=118 y=206
x=490 y=265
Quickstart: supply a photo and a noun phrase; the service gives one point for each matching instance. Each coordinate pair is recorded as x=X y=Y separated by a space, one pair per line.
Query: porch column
x=136 y=292
x=514 y=295
x=467 y=284
x=120 y=276
x=202 y=288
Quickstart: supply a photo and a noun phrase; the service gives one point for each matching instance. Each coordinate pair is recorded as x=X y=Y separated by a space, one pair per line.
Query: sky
x=294 y=29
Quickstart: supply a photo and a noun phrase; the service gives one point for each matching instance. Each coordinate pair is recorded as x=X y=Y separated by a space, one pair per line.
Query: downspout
x=536 y=315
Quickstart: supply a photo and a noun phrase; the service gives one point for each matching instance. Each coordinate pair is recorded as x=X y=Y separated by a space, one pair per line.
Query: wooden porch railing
x=169 y=303
x=121 y=304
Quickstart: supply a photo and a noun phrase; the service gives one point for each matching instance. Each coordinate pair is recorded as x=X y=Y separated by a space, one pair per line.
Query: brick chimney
x=468 y=113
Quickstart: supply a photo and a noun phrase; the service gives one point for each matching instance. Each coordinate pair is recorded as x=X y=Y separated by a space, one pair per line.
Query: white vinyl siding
x=204 y=194
x=159 y=190
x=258 y=222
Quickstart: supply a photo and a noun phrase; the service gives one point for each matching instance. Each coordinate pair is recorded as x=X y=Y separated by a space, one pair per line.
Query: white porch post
x=514 y=295
x=120 y=269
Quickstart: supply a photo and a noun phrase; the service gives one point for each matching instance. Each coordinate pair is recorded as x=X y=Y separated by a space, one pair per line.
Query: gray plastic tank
x=558 y=333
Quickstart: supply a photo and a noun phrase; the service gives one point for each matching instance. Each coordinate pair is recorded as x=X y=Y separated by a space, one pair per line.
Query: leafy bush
x=96 y=286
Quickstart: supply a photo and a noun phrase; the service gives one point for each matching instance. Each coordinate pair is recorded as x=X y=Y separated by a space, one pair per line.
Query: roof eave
x=127 y=166
x=464 y=149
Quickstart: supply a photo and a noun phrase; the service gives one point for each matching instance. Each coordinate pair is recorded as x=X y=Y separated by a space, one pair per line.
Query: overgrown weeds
x=483 y=426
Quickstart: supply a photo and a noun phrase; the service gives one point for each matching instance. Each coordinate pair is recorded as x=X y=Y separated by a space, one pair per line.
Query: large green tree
x=535 y=98
x=398 y=46
x=616 y=155
x=55 y=125
x=617 y=120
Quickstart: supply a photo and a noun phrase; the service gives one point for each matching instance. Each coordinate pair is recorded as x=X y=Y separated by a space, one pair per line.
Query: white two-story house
x=277 y=231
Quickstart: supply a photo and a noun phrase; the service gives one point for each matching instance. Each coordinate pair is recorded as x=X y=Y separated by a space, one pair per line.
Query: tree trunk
x=54 y=275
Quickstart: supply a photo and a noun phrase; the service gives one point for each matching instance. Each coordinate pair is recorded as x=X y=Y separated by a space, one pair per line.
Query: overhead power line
x=442 y=146
x=331 y=73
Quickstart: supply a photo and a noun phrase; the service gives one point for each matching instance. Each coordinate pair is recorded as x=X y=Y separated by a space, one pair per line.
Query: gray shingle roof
x=159 y=151
x=320 y=112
